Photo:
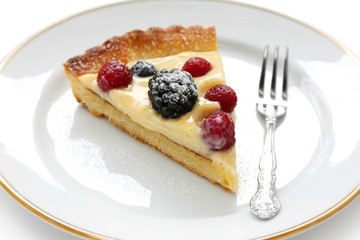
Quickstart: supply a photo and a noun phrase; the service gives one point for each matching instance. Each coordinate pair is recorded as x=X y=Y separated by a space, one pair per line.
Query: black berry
x=172 y=94
x=143 y=69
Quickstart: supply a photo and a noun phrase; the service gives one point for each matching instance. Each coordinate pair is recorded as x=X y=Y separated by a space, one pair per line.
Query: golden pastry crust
x=138 y=44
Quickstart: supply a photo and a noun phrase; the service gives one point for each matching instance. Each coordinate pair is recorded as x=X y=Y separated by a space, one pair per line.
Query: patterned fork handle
x=265 y=204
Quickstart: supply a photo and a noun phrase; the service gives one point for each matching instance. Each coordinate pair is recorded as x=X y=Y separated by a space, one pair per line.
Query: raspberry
x=114 y=74
x=143 y=69
x=218 y=131
x=172 y=94
x=197 y=66
x=223 y=94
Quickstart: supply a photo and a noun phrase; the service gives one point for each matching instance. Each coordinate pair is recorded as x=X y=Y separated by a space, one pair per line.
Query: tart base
x=155 y=42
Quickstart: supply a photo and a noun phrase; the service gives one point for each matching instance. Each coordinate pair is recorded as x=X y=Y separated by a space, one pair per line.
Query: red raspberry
x=223 y=94
x=218 y=131
x=197 y=66
x=114 y=74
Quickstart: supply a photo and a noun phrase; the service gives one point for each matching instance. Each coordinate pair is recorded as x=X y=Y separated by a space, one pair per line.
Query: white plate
x=86 y=176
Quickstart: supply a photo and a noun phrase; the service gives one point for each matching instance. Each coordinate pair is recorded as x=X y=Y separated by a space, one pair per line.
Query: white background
x=19 y=19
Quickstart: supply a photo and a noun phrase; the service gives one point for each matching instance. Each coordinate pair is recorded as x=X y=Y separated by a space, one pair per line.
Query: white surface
x=17 y=223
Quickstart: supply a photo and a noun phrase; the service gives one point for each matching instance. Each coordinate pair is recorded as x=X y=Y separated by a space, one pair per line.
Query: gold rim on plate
x=91 y=235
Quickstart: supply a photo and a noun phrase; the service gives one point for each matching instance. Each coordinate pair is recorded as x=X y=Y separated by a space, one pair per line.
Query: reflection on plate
x=88 y=177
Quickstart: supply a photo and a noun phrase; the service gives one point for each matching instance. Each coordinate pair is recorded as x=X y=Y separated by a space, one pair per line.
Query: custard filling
x=185 y=130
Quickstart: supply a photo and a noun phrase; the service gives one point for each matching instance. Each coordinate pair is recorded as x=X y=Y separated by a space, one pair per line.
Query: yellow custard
x=185 y=130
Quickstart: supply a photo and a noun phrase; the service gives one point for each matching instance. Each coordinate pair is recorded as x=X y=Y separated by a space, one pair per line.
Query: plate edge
x=90 y=235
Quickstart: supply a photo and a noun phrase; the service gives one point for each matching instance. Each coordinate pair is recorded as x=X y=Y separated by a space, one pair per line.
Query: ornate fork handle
x=265 y=204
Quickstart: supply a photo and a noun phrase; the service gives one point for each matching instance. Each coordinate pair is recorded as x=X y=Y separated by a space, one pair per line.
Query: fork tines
x=274 y=74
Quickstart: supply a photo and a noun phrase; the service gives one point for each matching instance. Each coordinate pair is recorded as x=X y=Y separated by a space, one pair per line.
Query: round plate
x=88 y=177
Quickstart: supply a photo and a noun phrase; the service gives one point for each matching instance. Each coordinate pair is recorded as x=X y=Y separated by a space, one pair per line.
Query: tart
x=184 y=134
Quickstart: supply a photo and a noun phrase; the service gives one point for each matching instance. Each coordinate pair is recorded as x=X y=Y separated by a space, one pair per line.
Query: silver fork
x=265 y=203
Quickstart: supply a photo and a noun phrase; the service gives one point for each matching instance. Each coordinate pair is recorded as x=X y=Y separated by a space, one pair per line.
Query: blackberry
x=143 y=69
x=172 y=94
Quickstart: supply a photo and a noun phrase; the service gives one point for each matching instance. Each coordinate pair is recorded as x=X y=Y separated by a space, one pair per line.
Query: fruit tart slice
x=165 y=87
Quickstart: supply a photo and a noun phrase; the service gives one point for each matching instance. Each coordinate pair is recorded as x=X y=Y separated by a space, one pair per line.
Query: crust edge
x=138 y=44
